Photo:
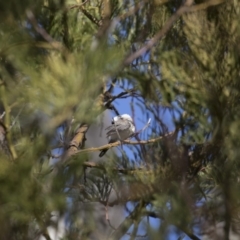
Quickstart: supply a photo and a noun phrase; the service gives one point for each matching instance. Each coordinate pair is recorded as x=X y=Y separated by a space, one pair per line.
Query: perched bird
x=122 y=128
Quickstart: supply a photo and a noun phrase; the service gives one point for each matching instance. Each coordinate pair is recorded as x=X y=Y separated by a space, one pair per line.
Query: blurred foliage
x=56 y=59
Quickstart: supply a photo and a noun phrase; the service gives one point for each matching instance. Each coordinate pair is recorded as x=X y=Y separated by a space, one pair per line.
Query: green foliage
x=56 y=58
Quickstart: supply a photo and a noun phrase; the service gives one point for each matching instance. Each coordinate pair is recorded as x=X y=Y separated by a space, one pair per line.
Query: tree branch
x=120 y=170
x=167 y=26
x=125 y=225
x=77 y=141
x=40 y=30
x=187 y=232
x=110 y=145
x=4 y=147
x=78 y=5
x=86 y=13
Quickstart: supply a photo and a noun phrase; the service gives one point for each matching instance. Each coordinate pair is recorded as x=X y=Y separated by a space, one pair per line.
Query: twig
x=108 y=103
x=124 y=226
x=112 y=85
x=112 y=107
x=131 y=11
x=15 y=119
x=77 y=141
x=78 y=5
x=6 y=134
x=167 y=26
x=120 y=139
x=107 y=218
x=120 y=170
x=2 y=115
x=120 y=95
x=187 y=232
x=146 y=126
x=108 y=99
x=86 y=13
x=115 y=144
x=42 y=31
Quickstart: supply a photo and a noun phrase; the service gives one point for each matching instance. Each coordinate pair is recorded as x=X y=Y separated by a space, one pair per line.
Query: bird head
x=124 y=116
x=127 y=117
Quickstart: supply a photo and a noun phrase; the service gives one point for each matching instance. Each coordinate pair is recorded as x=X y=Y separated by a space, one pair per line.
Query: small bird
x=122 y=128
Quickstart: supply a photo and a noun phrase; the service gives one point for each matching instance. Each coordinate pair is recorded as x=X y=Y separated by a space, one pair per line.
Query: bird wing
x=120 y=126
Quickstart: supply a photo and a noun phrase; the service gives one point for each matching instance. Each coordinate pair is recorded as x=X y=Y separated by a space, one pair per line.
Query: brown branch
x=136 y=213
x=40 y=30
x=110 y=89
x=168 y=25
x=78 y=5
x=120 y=95
x=78 y=138
x=132 y=11
x=108 y=98
x=108 y=219
x=205 y=5
x=186 y=231
x=152 y=214
x=129 y=220
x=4 y=147
x=120 y=170
x=105 y=22
x=6 y=144
x=86 y=13
x=77 y=141
x=110 y=145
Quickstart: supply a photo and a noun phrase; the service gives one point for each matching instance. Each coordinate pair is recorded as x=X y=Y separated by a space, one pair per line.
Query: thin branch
x=115 y=110
x=187 y=232
x=108 y=219
x=2 y=115
x=146 y=126
x=115 y=144
x=131 y=11
x=120 y=170
x=205 y=5
x=4 y=146
x=15 y=119
x=112 y=85
x=6 y=135
x=108 y=98
x=77 y=141
x=42 y=31
x=120 y=95
x=167 y=26
x=124 y=226
x=86 y=13
x=78 y=5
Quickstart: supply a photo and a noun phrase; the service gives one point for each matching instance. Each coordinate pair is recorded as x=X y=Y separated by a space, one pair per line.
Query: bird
x=122 y=128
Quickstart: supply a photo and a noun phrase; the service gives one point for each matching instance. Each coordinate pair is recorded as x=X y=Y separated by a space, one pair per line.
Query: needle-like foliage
x=176 y=62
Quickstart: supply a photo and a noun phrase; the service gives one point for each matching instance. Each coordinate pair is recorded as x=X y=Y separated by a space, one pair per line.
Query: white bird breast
x=123 y=134
x=122 y=131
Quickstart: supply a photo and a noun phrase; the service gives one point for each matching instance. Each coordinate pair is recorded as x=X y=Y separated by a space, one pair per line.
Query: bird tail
x=103 y=152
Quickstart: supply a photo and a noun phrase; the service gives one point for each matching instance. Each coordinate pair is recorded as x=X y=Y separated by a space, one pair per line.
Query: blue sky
x=130 y=106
